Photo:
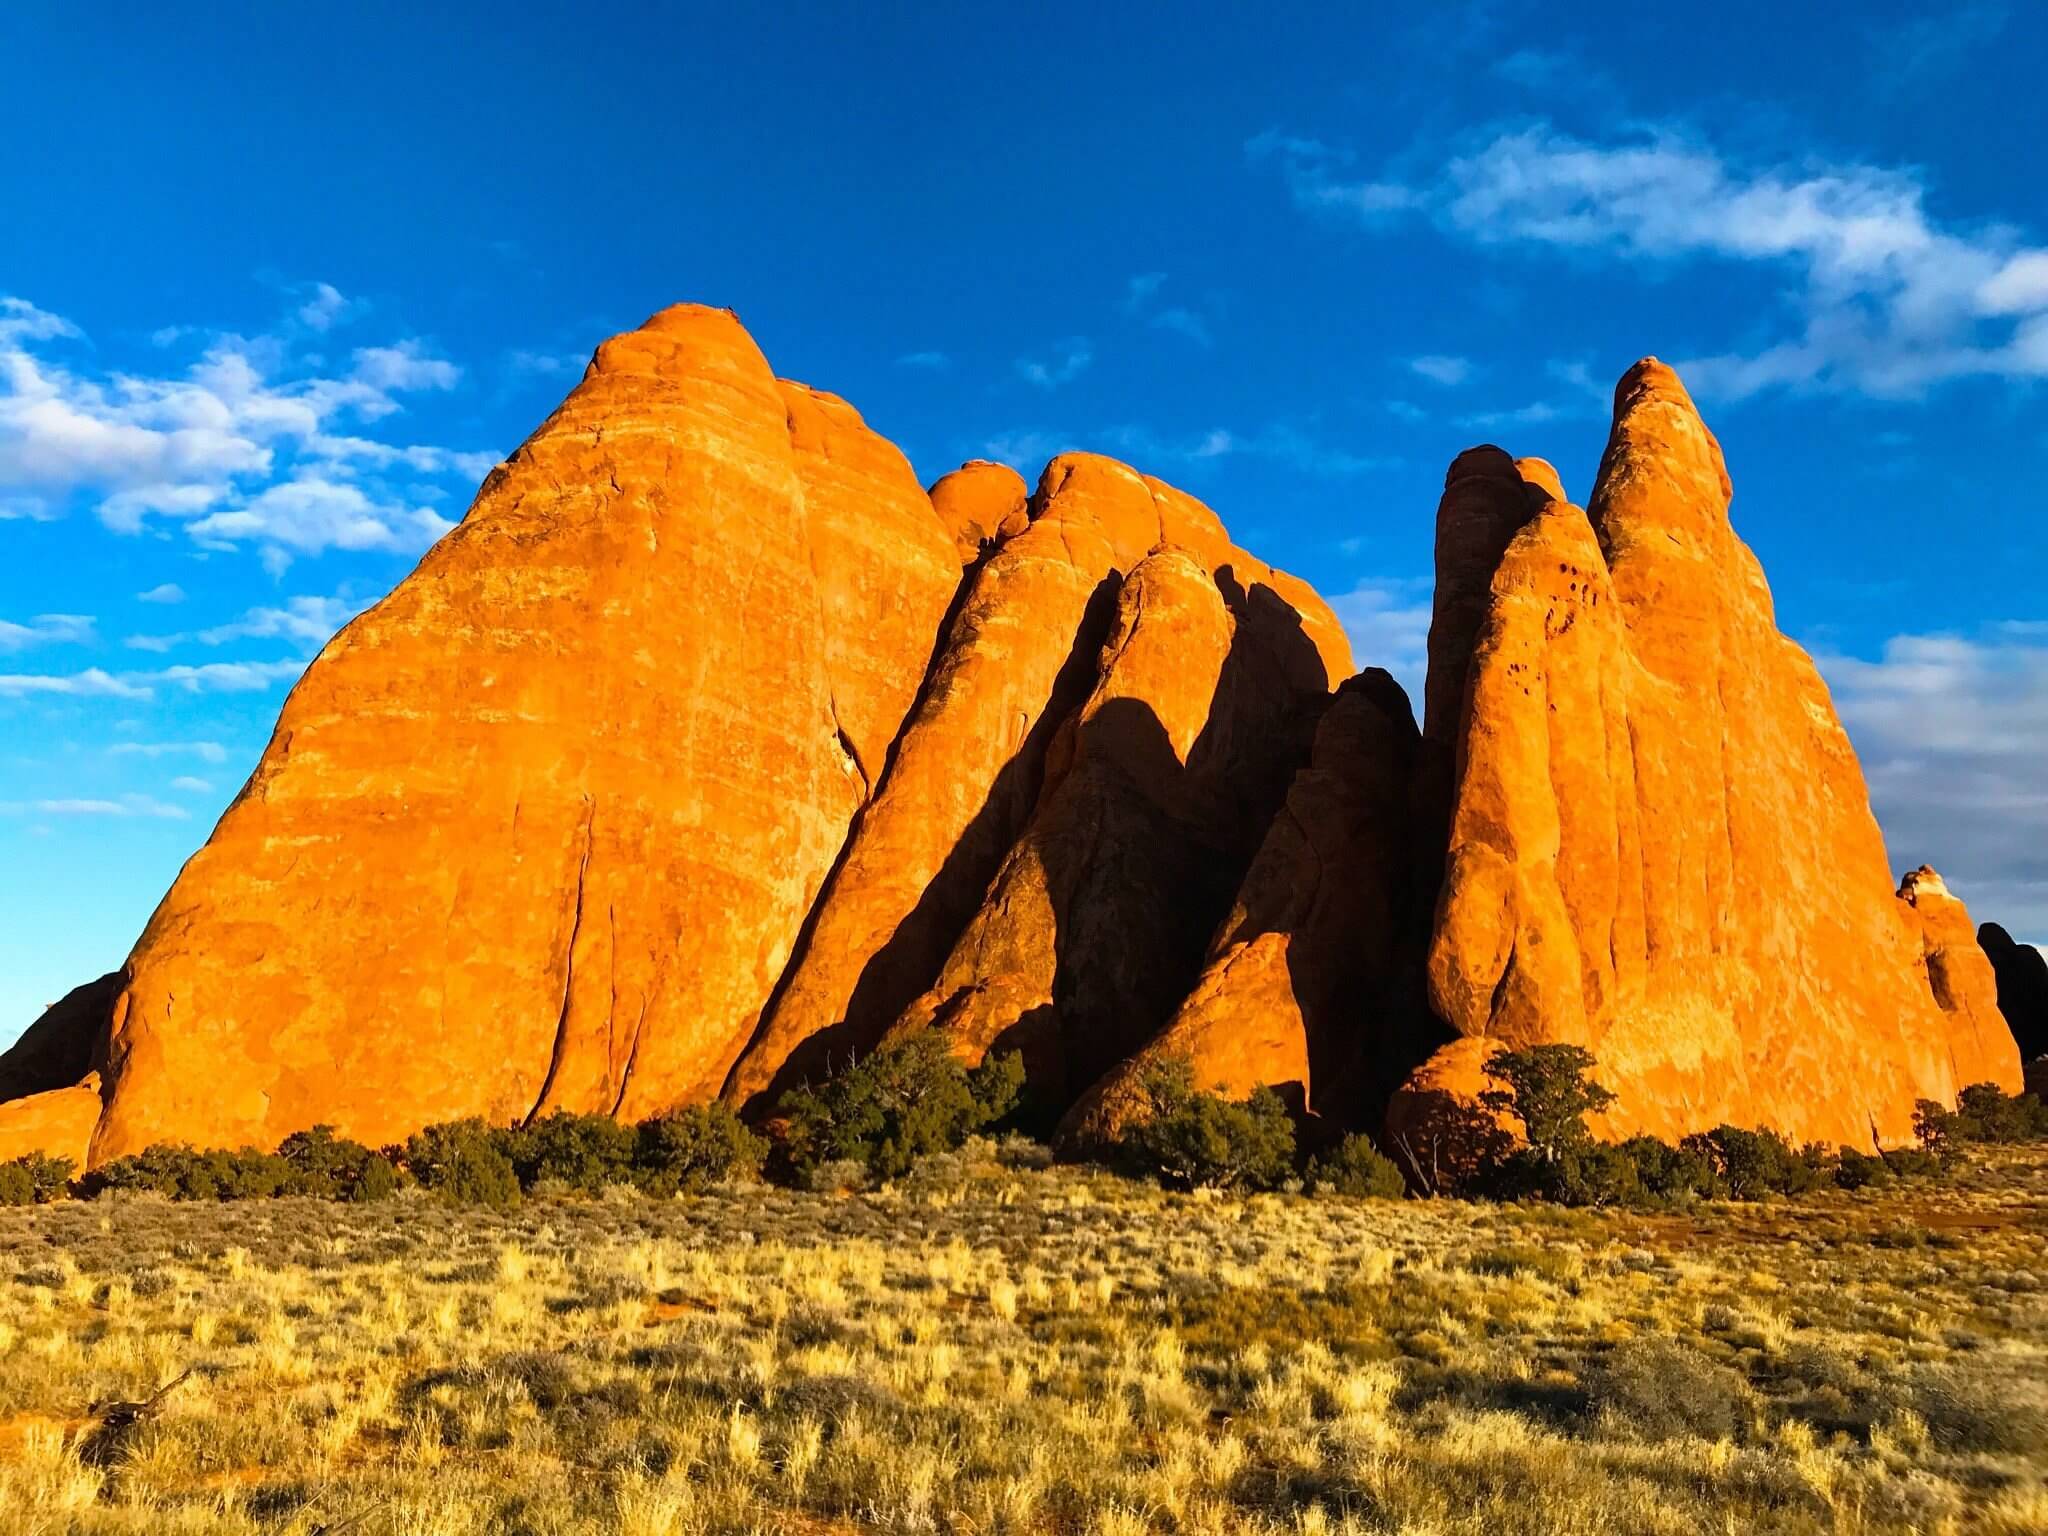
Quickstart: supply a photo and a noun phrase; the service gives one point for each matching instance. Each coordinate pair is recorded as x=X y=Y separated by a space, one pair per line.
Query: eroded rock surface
x=541 y=827
x=709 y=749
x=1661 y=847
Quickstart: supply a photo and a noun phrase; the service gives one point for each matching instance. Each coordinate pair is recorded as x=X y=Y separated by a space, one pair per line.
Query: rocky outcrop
x=1962 y=983
x=57 y=1122
x=1019 y=657
x=540 y=829
x=1306 y=964
x=1094 y=925
x=1660 y=843
x=2022 y=974
x=981 y=504
x=709 y=750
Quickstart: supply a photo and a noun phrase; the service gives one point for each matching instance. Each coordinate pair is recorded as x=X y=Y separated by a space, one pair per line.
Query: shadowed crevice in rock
x=905 y=964
x=1155 y=796
x=1301 y=986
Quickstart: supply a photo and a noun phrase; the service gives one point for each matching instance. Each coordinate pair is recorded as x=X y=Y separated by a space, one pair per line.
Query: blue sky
x=279 y=285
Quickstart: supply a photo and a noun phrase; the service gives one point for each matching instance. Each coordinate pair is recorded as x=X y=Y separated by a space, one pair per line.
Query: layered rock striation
x=710 y=751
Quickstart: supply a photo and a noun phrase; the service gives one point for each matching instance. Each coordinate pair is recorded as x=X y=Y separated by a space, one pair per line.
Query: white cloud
x=326 y=308
x=1071 y=360
x=1316 y=177
x=310 y=620
x=127 y=805
x=313 y=513
x=185 y=783
x=406 y=366
x=45 y=629
x=1387 y=620
x=91 y=683
x=227 y=676
x=205 y=751
x=1886 y=300
x=546 y=364
x=248 y=418
x=1448 y=371
x=1952 y=731
x=211 y=677
x=165 y=592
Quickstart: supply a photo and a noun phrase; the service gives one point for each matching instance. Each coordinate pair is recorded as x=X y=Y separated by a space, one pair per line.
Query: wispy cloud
x=933 y=361
x=1318 y=176
x=45 y=629
x=310 y=620
x=205 y=751
x=1140 y=302
x=1140 y=291
x=164 y=592
x=1438 y=369
x=1069 y=361
x=126 y=805
x=1183 y=322
x=187 y=784
x=325 y=308
x=1889 y=301
x=1949 y=728
x=91 y=683
x=1931 y=49
x=210 y=677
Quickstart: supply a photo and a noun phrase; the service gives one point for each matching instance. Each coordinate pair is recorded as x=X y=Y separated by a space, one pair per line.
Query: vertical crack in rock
x=561 y=1047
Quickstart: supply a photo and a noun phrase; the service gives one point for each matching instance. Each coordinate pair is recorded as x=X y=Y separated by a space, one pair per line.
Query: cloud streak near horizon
x=1882 y=298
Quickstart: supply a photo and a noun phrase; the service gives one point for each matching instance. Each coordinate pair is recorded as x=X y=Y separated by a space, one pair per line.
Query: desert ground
x=993 y=1345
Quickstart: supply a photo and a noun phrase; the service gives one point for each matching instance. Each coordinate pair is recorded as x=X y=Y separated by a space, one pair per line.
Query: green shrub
x=332 y=1167
x=1860 y=1170
x=1357 y=1168
x=1986 y=1113
x=908 y=1099
x=1187 y=1139
x=689 y=1150
x=464 y=1161
x=1934 y=1125
x=1913 y=1163
x=1549 y=1092
x=1671 y=1174
x=1753 y=1164
x=177 y=1172
x=36 y=1179
x=586 y=1152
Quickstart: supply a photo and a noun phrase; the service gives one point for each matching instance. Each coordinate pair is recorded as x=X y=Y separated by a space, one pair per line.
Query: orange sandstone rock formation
x=1660 y=844
x=709 y=749
x=540 y=829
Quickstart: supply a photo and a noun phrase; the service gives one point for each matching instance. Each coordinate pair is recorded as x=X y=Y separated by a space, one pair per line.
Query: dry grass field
x=995 y=1347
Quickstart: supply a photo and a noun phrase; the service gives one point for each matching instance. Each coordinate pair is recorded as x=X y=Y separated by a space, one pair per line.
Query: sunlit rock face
x=710 y=751
x=1660 y=844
